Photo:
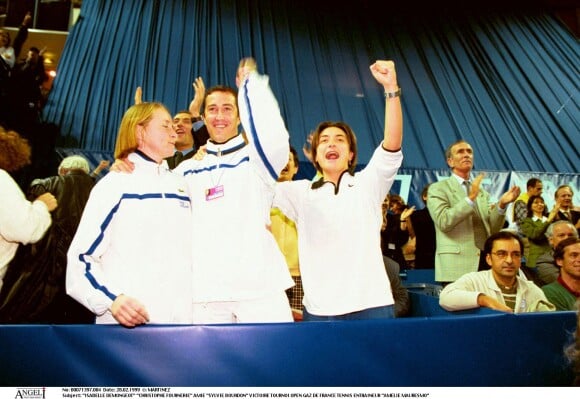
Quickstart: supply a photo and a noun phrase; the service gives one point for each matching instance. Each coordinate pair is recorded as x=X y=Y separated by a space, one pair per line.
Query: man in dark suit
x=190 y=128
x=189 y=139
x=463 y=215
x=420 y=225
x=563 y=197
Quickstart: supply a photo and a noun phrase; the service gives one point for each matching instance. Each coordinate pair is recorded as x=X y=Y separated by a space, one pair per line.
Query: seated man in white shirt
x=499 y=288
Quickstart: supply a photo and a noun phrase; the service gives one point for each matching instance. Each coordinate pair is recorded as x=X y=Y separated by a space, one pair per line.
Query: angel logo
x=30 y=393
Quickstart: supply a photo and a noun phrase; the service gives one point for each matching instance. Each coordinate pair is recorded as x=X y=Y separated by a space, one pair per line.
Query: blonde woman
x=129 y=262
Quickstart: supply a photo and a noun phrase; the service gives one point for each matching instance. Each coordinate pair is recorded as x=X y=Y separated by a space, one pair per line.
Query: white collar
x=460 y=179
x=232 y=145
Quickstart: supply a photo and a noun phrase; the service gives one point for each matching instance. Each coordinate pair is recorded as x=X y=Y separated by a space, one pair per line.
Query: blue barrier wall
x=464 y=350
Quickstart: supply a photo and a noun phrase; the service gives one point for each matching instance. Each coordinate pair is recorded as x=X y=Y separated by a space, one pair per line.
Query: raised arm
x=384 y=72
x=138 y=95
x=21 y=36
x=262 y=121
x=197 y=102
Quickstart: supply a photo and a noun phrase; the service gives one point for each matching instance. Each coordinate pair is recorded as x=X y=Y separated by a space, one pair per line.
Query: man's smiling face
x=221 y=116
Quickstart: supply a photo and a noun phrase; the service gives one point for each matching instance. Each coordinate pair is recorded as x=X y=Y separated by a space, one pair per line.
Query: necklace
x=218 y=166
x=218 y=169
x=504 y=287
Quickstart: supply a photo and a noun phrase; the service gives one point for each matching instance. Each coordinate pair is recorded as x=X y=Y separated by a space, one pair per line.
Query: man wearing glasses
x=499 y=288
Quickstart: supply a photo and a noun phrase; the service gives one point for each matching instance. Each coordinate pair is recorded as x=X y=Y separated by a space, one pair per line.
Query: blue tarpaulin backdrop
x=503 y=76
x=488 y=349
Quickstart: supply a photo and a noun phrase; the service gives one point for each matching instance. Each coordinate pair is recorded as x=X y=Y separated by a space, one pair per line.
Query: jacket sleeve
x=459 y=295
x=85 y=277
x=41 y=186
x=20 y=220
x=495 y=218
x=263 y=126
x=446 y=215
x=19 y=40
x=538 y=300
x=541 y=305
x=380 y=172
x=287 y=198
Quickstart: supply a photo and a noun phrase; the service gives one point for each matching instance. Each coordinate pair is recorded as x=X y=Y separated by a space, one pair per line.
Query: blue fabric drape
x=505 y=80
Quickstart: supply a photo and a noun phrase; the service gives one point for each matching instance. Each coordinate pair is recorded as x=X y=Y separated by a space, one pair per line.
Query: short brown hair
x=562 y=245
x=501 y=235
x=533 y=182
x=448 y=150
x=350 y=136
x=224 y=89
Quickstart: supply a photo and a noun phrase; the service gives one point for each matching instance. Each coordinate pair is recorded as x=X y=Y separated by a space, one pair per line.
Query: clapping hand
x=407 y=212
x=197 y=102
x=475 y=186
x=509 y=196
x=554 y=211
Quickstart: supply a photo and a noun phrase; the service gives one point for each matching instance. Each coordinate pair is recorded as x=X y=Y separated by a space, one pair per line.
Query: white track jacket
x=235 y=256
x=134 y=238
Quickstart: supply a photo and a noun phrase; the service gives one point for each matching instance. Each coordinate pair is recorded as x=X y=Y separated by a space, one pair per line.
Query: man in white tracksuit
x=239 y=274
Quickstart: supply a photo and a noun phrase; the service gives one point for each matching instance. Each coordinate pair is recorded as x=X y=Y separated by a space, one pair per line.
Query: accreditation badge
x=214 y=193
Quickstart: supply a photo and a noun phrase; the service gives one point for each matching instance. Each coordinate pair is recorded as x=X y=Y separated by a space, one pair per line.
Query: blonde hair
x=138 y=114
x=14 y=150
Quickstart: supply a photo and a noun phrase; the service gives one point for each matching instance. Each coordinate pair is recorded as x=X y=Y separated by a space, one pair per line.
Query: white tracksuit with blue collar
x=235 y=256
x=134 y=238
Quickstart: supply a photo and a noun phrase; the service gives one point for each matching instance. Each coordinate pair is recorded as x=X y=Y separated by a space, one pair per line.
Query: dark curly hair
x=14 y=150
